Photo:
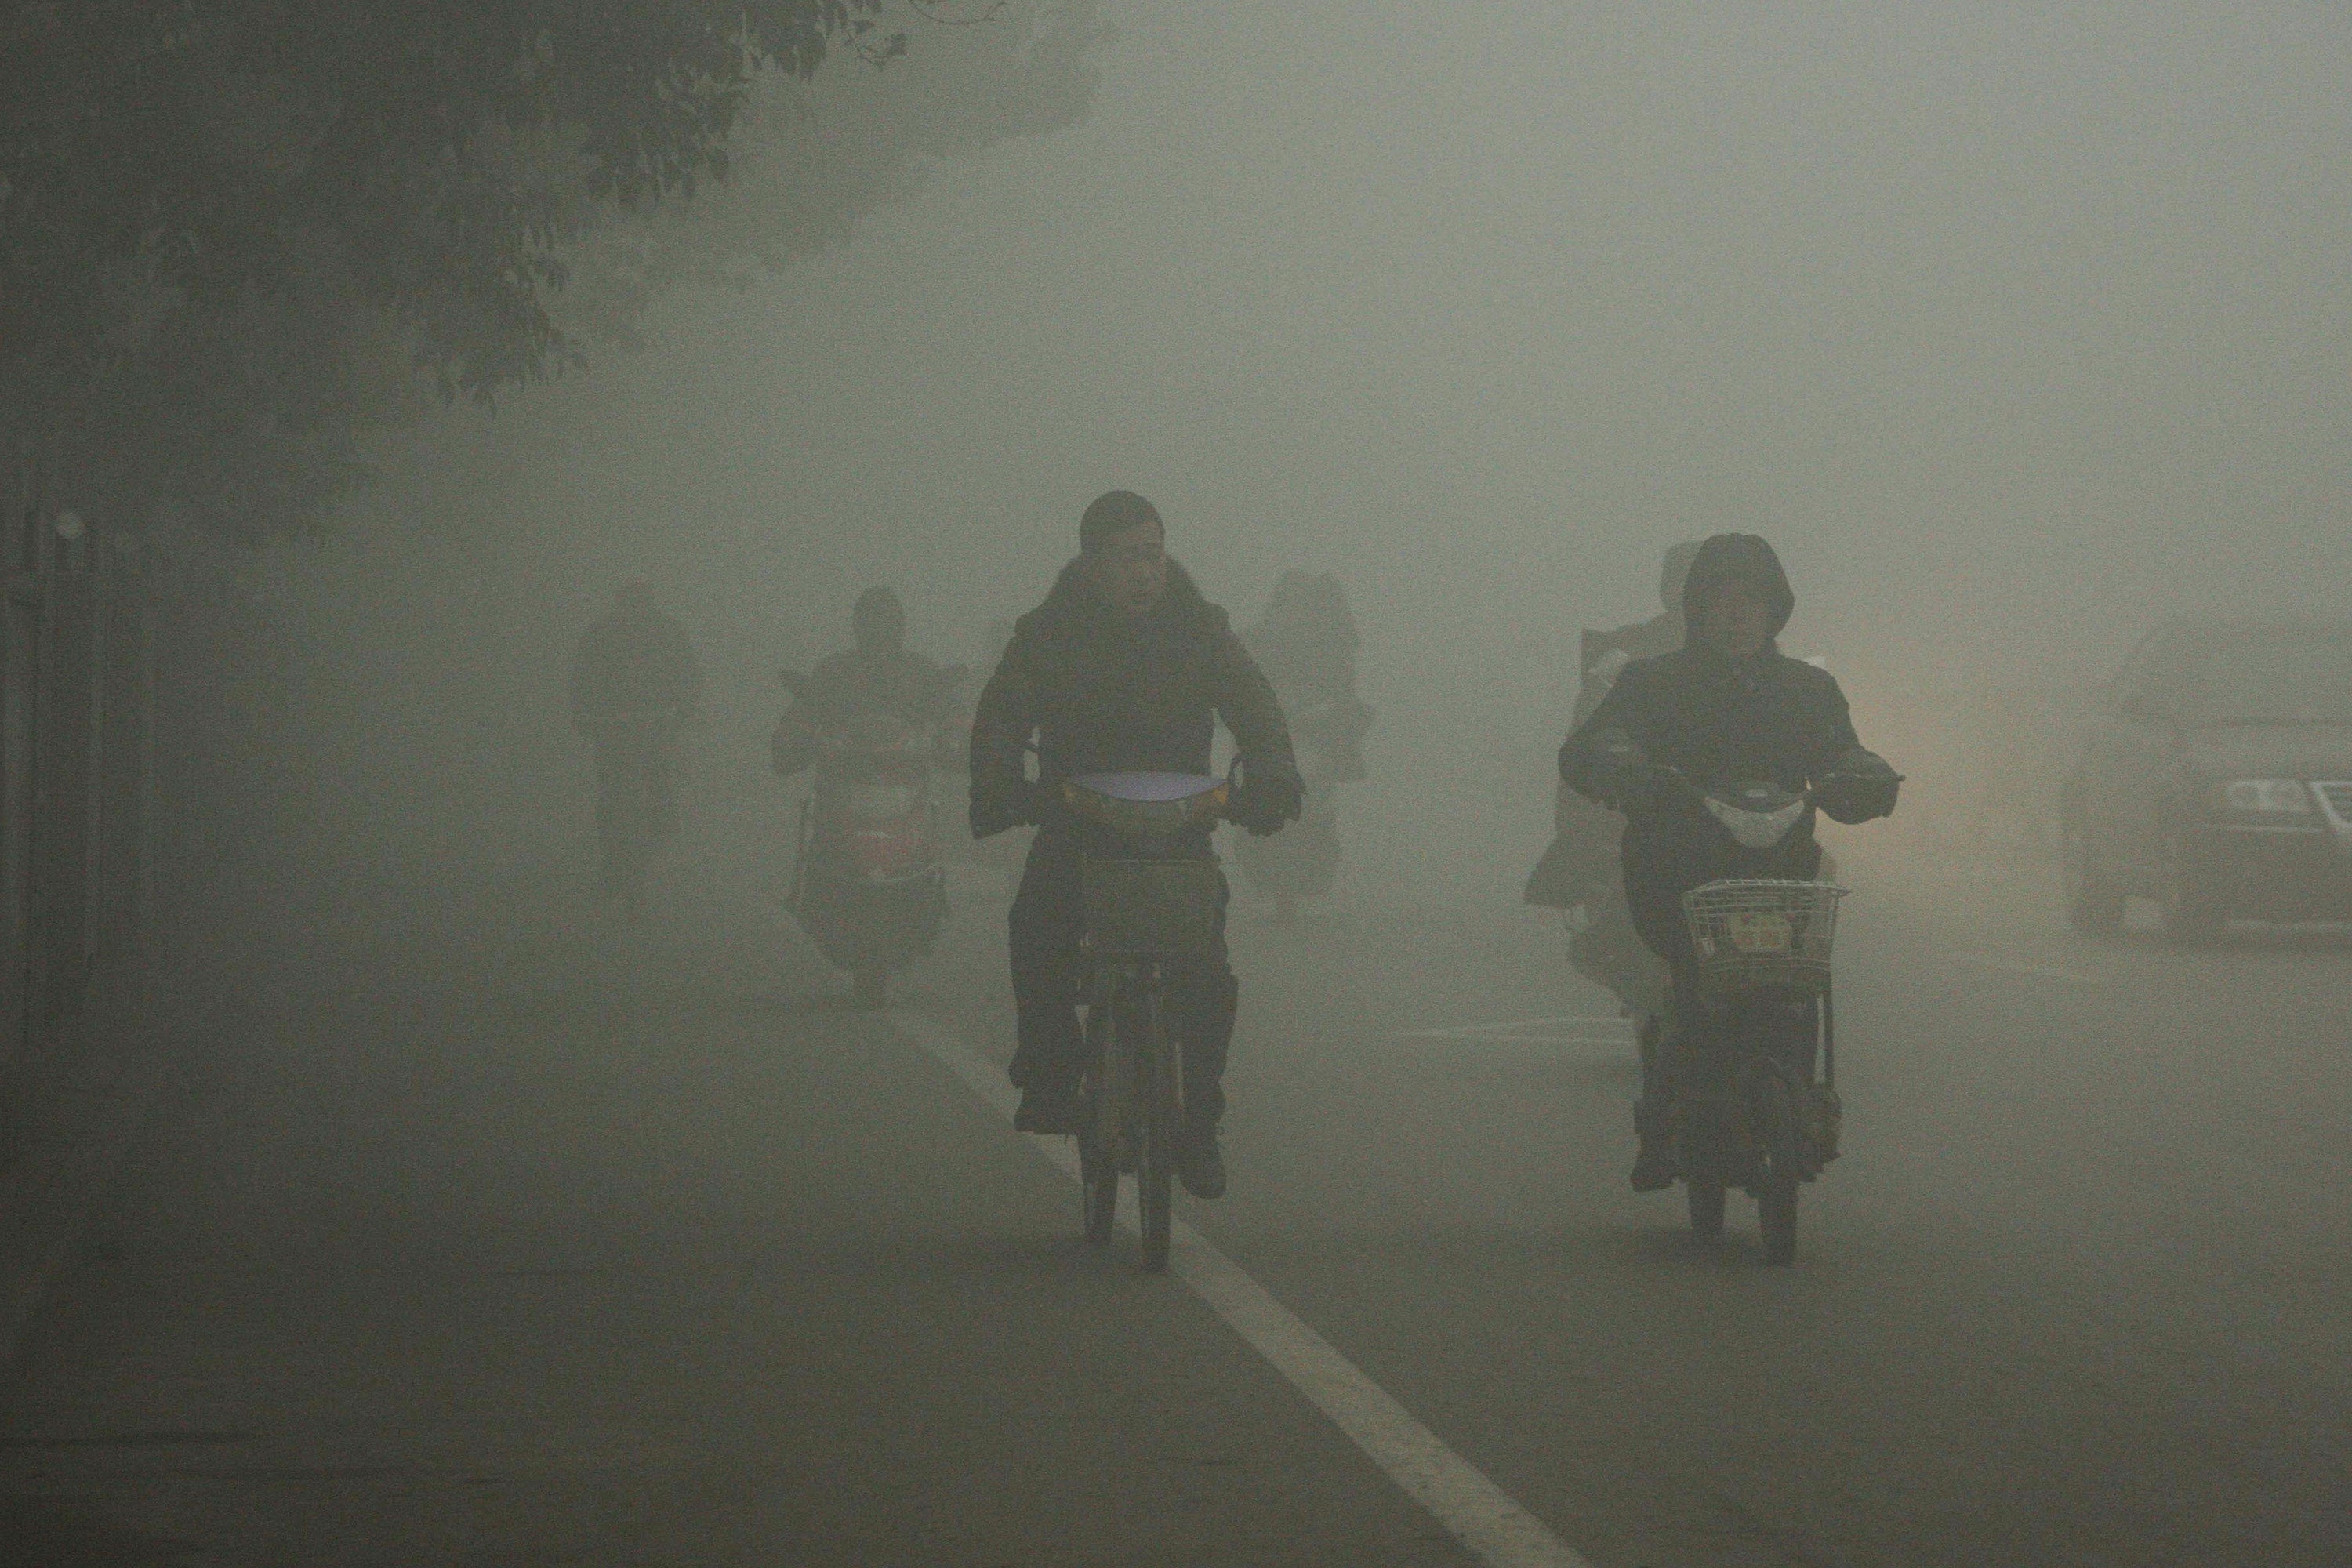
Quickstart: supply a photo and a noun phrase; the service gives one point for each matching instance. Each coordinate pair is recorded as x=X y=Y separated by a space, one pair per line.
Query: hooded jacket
x=1718 y=721
x=1102 y=693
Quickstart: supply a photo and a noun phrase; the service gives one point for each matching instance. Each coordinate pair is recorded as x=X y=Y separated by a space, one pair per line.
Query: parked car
x=2217 y=780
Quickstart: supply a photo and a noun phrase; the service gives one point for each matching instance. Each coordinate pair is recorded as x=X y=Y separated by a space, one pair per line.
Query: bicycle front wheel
x=1105 y=1111
x=1162 y=1120
x=1155 y=1196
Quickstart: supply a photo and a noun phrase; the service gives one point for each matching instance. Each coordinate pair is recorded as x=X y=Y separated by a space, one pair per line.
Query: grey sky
x=2012 y=326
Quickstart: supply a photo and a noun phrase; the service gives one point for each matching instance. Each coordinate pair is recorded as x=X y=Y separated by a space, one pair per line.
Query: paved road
x=490 y=1234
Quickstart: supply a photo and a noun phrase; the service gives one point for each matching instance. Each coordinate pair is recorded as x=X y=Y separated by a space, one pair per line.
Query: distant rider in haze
x=635 y=683
x=1579 y=872
x=1729 y=706
x=1124 y=668
x=1307 y=645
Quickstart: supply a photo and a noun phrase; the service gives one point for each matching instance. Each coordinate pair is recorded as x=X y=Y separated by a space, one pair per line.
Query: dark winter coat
x=1101 y=693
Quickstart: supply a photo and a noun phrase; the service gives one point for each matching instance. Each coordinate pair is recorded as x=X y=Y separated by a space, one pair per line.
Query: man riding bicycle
x=1729 y=706
x=1124 y=668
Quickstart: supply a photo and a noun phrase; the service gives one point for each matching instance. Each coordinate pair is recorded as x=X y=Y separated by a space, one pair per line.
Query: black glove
x=1629 y=780
x=1860 y=787
x=1263 y=805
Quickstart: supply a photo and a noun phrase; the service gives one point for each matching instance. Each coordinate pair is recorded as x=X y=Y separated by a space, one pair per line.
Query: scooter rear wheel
x=1776 y=1199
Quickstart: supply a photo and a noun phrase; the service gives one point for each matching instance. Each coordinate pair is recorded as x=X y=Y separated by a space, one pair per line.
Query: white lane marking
x=2039 y=971
x=1480 y=1514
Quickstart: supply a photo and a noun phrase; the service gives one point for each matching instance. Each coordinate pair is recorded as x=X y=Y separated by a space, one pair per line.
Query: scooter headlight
x=2264 y=797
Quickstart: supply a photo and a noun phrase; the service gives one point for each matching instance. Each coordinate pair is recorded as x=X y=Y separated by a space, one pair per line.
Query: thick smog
x=1054 y=782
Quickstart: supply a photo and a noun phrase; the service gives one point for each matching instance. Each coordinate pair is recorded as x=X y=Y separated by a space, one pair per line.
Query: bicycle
x=1149 y=909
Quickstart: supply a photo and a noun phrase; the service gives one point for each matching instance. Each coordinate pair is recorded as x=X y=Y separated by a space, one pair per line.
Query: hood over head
x=1736 y=556
x=1112 y=513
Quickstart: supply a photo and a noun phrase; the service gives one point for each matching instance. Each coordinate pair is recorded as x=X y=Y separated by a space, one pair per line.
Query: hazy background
x=2014 y=327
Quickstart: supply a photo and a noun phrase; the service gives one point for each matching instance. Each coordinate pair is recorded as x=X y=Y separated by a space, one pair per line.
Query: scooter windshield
x=1755 y=828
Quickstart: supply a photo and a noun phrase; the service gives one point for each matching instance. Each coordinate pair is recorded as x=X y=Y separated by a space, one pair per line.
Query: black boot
x=1201 y=1164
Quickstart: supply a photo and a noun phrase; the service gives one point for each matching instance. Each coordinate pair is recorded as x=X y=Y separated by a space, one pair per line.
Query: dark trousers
x=1047 y=924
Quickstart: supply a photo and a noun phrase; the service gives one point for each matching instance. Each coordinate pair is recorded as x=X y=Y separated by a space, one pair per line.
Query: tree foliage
x=814 y=155
x=232 y=231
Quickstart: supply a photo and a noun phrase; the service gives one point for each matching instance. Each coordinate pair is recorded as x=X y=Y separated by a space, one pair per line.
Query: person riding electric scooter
x=1726 y=706
x=877 y=721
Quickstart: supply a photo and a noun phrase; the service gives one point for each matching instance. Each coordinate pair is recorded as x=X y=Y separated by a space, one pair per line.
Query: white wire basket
x=1754 y=935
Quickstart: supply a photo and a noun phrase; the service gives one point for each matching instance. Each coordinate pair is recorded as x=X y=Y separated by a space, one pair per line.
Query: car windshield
x=2271 y=677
